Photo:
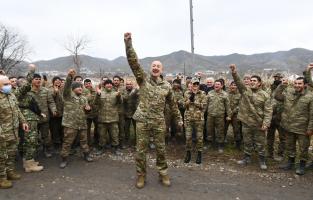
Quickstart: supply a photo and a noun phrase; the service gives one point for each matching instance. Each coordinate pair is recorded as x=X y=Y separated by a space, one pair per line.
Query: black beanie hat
x=76 y=85
x=109 y=81
x=36 y=76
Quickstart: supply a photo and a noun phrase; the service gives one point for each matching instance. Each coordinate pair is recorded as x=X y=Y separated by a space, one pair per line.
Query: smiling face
x=116 y=81
x=233 y=87
x=247 y=80
x=4 y=81
x=156 y=68
x=13 y=82
x=36 y=82
x=88 y=85
x=254 y=83
x=129 y=85
x=218 y=86
x=195 y=87
x=299 y=85
x=108 y=86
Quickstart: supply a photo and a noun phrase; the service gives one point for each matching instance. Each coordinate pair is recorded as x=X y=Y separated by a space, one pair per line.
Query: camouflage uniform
x=218 y=105
x=194 y=119
x=74 y=119
x=108 y=117
x=255 y=111
x=92 y=116
x=10 y=118
x=179 y=98
x=296 y=119
x=46 y=103
x=131 y=101
x=121 y=115
x=234 y=100
x=154 y=94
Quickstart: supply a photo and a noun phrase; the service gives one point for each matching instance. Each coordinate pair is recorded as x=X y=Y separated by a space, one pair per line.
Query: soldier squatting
x=58 y=118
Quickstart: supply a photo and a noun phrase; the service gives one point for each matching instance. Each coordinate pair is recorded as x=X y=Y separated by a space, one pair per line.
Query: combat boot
x=300 y=169
x=220 y=148
x=199 y=157
x=30 y=166
x=188 y=157
x=238 y=145
x=5 y=183
x=140 y=183
x=262 y=163
x=246 y=160
x=63 y=163
x=289 y=165
x=13 y=175
x=165 y=180
x=87 y=157
x=115 y=150
x=47 y=152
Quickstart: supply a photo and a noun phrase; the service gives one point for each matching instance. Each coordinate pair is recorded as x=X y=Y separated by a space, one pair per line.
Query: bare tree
x=13 y=49
x=75 y=46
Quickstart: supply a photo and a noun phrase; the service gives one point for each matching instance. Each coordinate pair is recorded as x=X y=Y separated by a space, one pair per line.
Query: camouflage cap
x=195 y=80
x=278 y=75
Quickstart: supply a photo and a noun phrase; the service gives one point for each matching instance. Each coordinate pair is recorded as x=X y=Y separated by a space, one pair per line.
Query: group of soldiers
x=36 y=115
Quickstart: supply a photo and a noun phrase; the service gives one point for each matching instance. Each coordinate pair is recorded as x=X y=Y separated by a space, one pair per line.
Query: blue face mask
x=6 y=89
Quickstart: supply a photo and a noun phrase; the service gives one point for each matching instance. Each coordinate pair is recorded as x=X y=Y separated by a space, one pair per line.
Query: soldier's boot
x=35 y=162
x=262 y=163
x=289 y=165
x=246 y=160
x=47 y=152
x=165 y=180
x=140 y=183
x=29 y=166
x=199 y=157
x=100 y=151
x=300 y=169
x=63 y=163
x=13 y=175
x=220 y=148
x=238 y=145
x=115 y=150
x=5 y=183
x=187 y=157
x=87 y=157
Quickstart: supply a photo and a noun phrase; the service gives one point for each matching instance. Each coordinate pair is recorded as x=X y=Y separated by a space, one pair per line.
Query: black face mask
x=277 y=82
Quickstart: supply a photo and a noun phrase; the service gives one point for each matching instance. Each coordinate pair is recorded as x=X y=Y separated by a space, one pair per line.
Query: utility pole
x=192 y=36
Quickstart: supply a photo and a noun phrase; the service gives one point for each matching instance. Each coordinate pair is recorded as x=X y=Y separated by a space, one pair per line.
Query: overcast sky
x=161 y=26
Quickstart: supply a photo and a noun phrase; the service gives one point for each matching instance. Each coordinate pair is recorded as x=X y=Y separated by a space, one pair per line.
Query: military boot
x=238 y=145
x=47 y=152
x=63 y=163
x=199 y=157
x=87 y=157
x=30 y=166
x=5 y=183
x=165 y=180
x=220 y=148
x=13 y=175
x=289 y=165
x=187 y=157
x=140 y=183
x=246 y=160
x=262 y=163
x=300 y=169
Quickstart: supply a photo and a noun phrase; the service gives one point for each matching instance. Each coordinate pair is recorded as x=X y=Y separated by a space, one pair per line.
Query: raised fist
x=32 y=67
x=233 y=68
x=72 y=73
x=127 y=36
x=310 y=66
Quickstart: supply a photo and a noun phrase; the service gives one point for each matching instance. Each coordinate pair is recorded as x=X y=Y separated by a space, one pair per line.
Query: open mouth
x=155 y=71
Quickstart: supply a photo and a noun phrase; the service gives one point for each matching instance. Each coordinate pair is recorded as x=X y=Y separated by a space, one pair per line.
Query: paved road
x=114 y=177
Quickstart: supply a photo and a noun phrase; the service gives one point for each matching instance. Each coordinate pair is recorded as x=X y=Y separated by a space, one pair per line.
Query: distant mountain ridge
x=294 y=60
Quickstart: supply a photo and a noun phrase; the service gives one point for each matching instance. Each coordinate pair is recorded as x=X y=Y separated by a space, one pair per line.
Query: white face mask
x=6 y=89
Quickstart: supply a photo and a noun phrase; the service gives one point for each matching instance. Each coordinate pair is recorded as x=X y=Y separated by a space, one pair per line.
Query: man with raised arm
x=154 y=94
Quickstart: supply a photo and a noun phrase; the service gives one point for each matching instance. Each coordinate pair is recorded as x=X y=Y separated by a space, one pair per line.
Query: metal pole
x=192 y=36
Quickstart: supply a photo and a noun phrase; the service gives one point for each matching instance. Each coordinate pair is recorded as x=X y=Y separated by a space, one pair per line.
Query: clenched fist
x=233 y=68
x=72 y=73
x=127 y=36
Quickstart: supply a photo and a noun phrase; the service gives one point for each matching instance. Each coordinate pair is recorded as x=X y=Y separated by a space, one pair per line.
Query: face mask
x=6 y=89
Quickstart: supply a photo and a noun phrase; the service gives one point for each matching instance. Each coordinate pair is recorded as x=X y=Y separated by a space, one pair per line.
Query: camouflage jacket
x=218 y=104
x=58 y=100
x=10 y=116
x=255 y=108
x=46 y=103
x=154 y=94
x=179 y=98
x=297 y=116
x=195 y=110
x=108 y=104
x=91 y=94
x=131 y=101
x=122 y=90
x=234 y=101
x=74 y=115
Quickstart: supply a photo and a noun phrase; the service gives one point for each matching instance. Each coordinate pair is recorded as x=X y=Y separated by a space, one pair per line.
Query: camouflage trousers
x=121 y=128
x=156 y=129
x=215 y=129
x=235 y=123
x=128 y=122
x=69 y=137
x=271 y=139
x=30 y=142
x=253 y=137
x=44 y=131
x=8 y=150
x=291 y=145
x=105 y=131
x=197 y=127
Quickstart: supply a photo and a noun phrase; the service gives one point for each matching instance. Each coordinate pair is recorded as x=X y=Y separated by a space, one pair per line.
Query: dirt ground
x=113 y=177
